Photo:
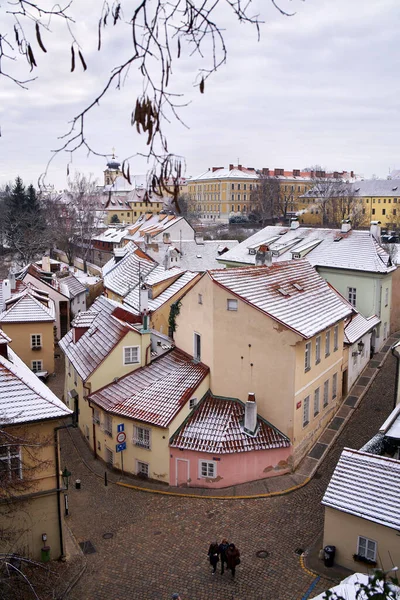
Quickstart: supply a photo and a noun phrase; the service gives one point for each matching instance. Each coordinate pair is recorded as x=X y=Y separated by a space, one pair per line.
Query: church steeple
x=113 y=170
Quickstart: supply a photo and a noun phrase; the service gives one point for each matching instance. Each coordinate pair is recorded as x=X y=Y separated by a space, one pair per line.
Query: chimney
x=199 y=239
x=46 y=264
x=6 y=288
x=352 y=174
x=216 y=169
x=144 y=298
x=11 y=278
x=263 y=256
x=250 y=415
x=265 y=171
x=231 y=167
x=294 y=223
x=240 y=168
x=312 y=174
x=375 y=230
x=346 y=226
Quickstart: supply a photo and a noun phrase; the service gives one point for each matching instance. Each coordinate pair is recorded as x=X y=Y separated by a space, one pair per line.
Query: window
x=37 y=365
x=232 y=186
x=352 y=295
x=131 y=355
x=200 y=298
x=373 y=211
x=307 y=357
x=231 y=304
x=366 y=548
x=318 y=350
x=306 y=411
x=335 y=338
x=141 y=437
x=96 y=416
x=36 y=341
x=192 y=403
x=384 y=211
x=327 y=343
x=334 y=386
x=207 y=468
x=238 y=186
x=316 y=402
x=10 y=462
x=108 y=425
x=394 y=212
x=197 y=346
x=326 y=392
x=142 y=468
x=386 y=296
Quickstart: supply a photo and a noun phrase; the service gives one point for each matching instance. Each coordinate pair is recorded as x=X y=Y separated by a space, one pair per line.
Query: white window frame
x=326 y=393
x=207 y=465
x=352 y=295
x=306 y=411
x=192 y=403
x=327 y=343
x=36 y=340
x=34 y=368
x=107 y=424
x=11 y=453
x=334 y=385
x=130 y=348
x=318 y=342
x=140 y=471
x=336 y=338
x=307 y=357
x=195 y=355
x=231 y=304
x=142 y=437
x=363 y=548
x=316 y=402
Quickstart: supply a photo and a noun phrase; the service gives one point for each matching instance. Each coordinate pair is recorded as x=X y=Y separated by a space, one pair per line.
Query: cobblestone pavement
x=159 y=543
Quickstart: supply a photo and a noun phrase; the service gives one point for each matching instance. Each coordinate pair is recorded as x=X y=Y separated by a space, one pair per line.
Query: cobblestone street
x=159 y=543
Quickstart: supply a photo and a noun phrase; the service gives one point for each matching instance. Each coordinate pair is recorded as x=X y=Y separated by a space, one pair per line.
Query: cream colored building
x=277 y=331
x=31 y=492
x=362 y=516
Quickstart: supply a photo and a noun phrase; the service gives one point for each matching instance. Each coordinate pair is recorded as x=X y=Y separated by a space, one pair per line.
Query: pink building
x=224 y=442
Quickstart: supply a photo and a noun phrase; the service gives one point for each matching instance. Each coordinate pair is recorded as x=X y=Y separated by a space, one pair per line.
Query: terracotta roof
x=155 y=393
x=216 y=426
x=28 y=309
x=292 y=293
x=23 y=397
x=104 y=332
x=367 y=486
x=124 y=275
x=132 y=299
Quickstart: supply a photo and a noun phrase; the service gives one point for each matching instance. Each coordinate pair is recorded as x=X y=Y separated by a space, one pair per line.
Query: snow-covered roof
x=23 y=397
x=19 y=287
x=226 y=174
x=367 y=486
x=359 y=326
x=376 y=187
x=124 y=275
x=391 y=427
x=155 y=393
x=28 y=309
x=104 y=332
x=132 y=299
x=355 y=250
x=350 y=588
x=152 y=225
x=216 y=426
x=193 y=255
x=291 y=292
x=114 y=235
x=73 y=286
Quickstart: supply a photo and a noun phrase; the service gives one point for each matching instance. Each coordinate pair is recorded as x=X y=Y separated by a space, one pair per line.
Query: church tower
x=112 y=171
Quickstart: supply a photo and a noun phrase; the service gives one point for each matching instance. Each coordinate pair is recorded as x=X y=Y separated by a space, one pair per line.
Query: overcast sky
x=321 y=87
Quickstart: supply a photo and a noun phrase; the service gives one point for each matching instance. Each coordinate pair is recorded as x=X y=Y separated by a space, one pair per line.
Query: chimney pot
x=346 y=226
x=294 y=223
x=231 y=167
x=375 y=230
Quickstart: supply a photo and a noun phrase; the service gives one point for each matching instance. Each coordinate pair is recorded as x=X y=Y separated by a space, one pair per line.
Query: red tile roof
x=216 y=426
x=155 y=393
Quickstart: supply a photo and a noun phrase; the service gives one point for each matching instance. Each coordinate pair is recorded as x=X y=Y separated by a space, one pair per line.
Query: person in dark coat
x=232 y=558
x=213 y=554
x=222 y=548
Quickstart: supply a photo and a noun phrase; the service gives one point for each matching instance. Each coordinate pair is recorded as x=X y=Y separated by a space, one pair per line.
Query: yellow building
x=29 y=320
x=275 y=331
x=31 y=507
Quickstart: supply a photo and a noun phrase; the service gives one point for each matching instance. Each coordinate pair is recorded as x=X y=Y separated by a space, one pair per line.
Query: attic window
x=283 y=292
x=358 y=189
x=296 y=255
x=298 y=287
x=394 y=189
x=252 y=251
x=337 y=239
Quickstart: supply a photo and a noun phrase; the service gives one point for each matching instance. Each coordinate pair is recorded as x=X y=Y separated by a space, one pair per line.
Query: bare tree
x=265 y=197
x=159 y=33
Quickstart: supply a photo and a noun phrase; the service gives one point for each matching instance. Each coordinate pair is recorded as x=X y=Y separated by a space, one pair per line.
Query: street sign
x=120 y=447
x=121 y=437
x=120 y=427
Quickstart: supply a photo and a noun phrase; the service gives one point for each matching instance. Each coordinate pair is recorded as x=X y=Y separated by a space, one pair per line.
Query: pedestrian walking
x=222 y=548
x=176 y=597
x=213 y=554
x=232 y=558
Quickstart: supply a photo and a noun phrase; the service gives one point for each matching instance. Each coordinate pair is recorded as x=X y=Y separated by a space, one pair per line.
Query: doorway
x=182 y=472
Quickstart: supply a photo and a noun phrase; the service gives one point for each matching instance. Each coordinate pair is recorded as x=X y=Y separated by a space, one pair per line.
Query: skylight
x=298 y=287
x=283 y=292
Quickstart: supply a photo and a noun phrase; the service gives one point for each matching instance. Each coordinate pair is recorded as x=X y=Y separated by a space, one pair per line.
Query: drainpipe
x=94 y=431
x=59 y=490
x=395 y=352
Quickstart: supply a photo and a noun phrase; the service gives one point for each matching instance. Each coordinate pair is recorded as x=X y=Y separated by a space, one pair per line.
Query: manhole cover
x=108 y=536
x=299 y=551
x=262 y=554
x=87 y=547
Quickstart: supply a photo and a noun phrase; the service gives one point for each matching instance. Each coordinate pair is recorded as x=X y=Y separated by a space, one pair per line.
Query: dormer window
x=131 y=355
